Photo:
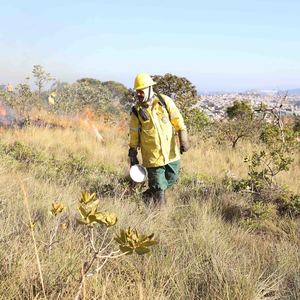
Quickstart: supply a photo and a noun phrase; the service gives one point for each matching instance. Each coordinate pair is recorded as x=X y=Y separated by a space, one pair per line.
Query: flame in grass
x=8 y=116
x=2 y=111
x=131 y=241
x=87 y=121
x=39 y=116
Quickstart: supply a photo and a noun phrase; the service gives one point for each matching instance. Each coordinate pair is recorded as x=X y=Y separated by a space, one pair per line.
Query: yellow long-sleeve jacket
x=156 y=136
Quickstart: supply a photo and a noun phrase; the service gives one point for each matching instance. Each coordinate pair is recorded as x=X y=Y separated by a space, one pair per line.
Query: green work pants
x=161 y=178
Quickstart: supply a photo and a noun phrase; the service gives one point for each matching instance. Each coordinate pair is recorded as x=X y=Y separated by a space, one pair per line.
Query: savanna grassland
x=207 y=248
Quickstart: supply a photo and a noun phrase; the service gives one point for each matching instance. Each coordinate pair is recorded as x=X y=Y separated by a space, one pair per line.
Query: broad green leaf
x=100 y=216
x=111 y=219
x=81 y=222
x=57 y=208
x=123 y=236
x=143 y=238
x=118 y=240
x=142 y=250
x=150 y=236
x=83 y=212
x=91 y=218
x=93 y=207
x=130 y=243
x=149 y=243
x=87 y=197
x=125 y=249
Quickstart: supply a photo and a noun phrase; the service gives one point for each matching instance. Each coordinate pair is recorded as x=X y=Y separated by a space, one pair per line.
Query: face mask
x=144 y=96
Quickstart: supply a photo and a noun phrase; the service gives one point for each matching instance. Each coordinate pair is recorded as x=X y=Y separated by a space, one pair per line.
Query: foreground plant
x=90 y=216
x=129 y=240
x=56 y=210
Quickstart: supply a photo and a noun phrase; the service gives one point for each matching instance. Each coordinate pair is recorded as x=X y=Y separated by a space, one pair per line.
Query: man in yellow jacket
x=154 y=122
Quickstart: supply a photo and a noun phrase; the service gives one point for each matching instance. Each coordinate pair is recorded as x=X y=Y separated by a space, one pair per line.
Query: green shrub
x=23 y=153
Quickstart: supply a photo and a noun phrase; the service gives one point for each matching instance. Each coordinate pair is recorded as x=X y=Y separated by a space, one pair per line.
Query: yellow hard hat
x=142 y=81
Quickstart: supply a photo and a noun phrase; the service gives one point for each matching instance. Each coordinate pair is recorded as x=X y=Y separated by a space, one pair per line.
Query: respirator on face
x=143 y=96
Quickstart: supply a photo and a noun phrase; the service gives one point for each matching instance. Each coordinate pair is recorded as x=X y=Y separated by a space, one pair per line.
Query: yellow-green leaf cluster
x=106 y=218
x=90 y=215
x=31 y=225
x=87 y=198
x=131 y=241
x=57 y=208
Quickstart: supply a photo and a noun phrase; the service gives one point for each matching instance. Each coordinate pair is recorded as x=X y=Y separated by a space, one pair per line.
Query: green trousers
x=161 y=178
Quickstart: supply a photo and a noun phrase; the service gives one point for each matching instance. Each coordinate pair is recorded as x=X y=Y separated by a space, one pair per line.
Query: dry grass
x=200 y=256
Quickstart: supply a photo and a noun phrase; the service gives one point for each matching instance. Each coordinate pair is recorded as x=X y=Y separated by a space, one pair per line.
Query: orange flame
x=3 y=112
x=87 y=120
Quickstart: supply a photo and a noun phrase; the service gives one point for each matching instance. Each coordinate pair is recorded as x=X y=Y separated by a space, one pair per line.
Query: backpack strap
x=134 y=110
x=162 y=102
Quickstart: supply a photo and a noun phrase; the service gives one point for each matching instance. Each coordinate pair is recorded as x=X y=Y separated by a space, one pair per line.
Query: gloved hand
x=132 y=154
x=183 y=141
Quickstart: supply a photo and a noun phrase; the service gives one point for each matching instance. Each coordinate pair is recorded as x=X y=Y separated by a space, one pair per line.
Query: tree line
x=111 y=98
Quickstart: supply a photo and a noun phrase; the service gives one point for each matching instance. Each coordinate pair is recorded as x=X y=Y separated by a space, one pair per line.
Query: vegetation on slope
x=70 y=214
x=206 y=249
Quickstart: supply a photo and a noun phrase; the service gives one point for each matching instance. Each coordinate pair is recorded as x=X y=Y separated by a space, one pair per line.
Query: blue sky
x=218 y=45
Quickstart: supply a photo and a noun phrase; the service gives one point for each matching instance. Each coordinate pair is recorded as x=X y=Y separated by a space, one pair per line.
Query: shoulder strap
x=134 y=110
x=162 y=100
x=140 y=113
x=163 y=104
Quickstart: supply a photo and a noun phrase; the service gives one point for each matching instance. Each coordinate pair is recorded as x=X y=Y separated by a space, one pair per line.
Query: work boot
x=148 y=197
x=159 y=198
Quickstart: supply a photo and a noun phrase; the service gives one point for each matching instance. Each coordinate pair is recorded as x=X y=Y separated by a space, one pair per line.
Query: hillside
x=205 y=249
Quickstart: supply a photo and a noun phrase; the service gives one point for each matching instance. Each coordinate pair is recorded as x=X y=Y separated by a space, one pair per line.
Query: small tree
x=76 y=97
x=240 y=109
x=276 y=156
x=296 y=126
x=90 y=81
x=180 y=89
x=22 y=100
x=120 y=94
x=240 y=123
x=41 y=77
x=184 y=93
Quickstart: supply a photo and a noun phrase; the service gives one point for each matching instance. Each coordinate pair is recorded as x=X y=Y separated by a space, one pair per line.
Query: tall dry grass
x=200 y=255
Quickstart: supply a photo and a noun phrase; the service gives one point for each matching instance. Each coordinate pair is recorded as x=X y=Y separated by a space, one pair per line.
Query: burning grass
x=86 y=121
